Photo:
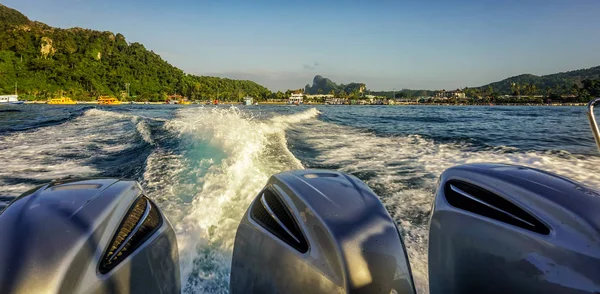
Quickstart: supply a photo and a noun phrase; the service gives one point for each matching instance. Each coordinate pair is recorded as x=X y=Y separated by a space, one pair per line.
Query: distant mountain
x=323 y=85
x=583 y=83
x=561 y=83
x=83 y=64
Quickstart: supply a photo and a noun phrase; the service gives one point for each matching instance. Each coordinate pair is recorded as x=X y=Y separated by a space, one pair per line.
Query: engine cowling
x=510 y=229
x=87 y=236
x=315 y=231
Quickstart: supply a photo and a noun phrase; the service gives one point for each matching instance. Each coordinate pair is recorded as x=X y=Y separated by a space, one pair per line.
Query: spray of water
x=54 y=152
x=229 y=155
x=403 y=170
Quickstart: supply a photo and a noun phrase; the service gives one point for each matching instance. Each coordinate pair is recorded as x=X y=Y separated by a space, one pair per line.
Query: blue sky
x=385 y=44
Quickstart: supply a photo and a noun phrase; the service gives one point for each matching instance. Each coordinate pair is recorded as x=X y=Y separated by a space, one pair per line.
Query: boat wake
x=205 y=184
x=97 y=143
x=403 y=171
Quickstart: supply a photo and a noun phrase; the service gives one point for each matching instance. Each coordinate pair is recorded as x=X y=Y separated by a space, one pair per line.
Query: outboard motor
x=494 y=229
x=314 y=231
x=87 y=236
x=510 y=229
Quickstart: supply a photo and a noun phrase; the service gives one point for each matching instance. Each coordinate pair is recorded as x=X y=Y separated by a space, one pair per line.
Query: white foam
x=246 y=152
x=406 y=169
x=142 y=128
x=54 y=152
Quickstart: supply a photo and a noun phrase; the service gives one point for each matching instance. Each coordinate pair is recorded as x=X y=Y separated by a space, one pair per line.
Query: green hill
x=84 y=64
x=577 y=86
x=323 y=85
x=559 y=83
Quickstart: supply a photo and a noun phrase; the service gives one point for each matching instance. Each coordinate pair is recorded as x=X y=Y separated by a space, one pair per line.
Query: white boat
x=10 y=99
x=248 y=100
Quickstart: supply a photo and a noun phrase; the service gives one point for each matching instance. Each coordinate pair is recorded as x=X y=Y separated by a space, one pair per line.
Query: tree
x=472 y=92
x=575 y=89
x=89 y=63
x=516 y=89
x=280 y=95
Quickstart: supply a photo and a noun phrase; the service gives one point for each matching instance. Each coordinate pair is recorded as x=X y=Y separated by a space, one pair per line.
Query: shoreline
x=314 y=104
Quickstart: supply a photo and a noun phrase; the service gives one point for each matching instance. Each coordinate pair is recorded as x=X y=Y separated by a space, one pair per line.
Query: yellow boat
x=104 y=100
x=61 y=101
x=184 y=102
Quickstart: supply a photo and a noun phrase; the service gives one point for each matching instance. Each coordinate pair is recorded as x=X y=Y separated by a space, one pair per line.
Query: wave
x=403 y=170
x=34 y=118
x=204 y=185
x=95 y=143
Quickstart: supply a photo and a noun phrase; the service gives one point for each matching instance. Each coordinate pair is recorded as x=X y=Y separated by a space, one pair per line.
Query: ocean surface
x=203 y=165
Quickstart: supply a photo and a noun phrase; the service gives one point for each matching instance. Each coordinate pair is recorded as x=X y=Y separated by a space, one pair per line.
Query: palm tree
x=516 y=89
x=533 y=89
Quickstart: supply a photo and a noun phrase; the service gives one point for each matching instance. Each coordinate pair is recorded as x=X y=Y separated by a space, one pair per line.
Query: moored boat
x=177 y=99
x=10 y=99
x=105 y=100
x=61 y=101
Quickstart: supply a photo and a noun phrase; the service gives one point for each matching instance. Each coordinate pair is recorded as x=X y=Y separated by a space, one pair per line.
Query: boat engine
x=510 y=229
x=87 y=236
x=315 y=231
x=494 y=229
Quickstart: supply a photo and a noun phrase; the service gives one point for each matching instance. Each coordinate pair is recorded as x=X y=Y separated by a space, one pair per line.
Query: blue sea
x=203 y=165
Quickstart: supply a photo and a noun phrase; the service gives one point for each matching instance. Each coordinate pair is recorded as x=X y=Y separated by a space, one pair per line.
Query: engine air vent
x=269 y=211
x=480 y=201
x=140 y=222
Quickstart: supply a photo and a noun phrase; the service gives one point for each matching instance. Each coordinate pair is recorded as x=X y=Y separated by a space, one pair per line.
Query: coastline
x=311 y=104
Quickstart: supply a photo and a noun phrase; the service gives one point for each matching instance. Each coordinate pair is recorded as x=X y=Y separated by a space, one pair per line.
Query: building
x=296 y=98
x=336 y=101
x=450 y=94
x=319 y=96
x=404 y=101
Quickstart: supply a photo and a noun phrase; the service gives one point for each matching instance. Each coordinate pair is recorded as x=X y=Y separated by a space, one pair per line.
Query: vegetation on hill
x=44 y=61
x=558 y=83
x=323 y=85
x=573 y=86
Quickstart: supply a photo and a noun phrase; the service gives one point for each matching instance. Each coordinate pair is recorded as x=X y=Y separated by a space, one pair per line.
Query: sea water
x=203 y=165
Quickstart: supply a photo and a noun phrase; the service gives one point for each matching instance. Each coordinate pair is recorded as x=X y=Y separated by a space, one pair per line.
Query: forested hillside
x=43 y=61
x=559 y=83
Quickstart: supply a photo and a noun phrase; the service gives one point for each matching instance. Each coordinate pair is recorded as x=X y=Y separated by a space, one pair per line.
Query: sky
x=386 y=44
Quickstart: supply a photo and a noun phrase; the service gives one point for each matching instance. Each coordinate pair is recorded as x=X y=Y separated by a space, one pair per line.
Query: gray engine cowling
x=314 y=231
x=510 y=229
x=87 y=236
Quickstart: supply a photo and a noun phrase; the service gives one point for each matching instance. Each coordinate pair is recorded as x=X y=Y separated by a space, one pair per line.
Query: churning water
x=204 y=165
